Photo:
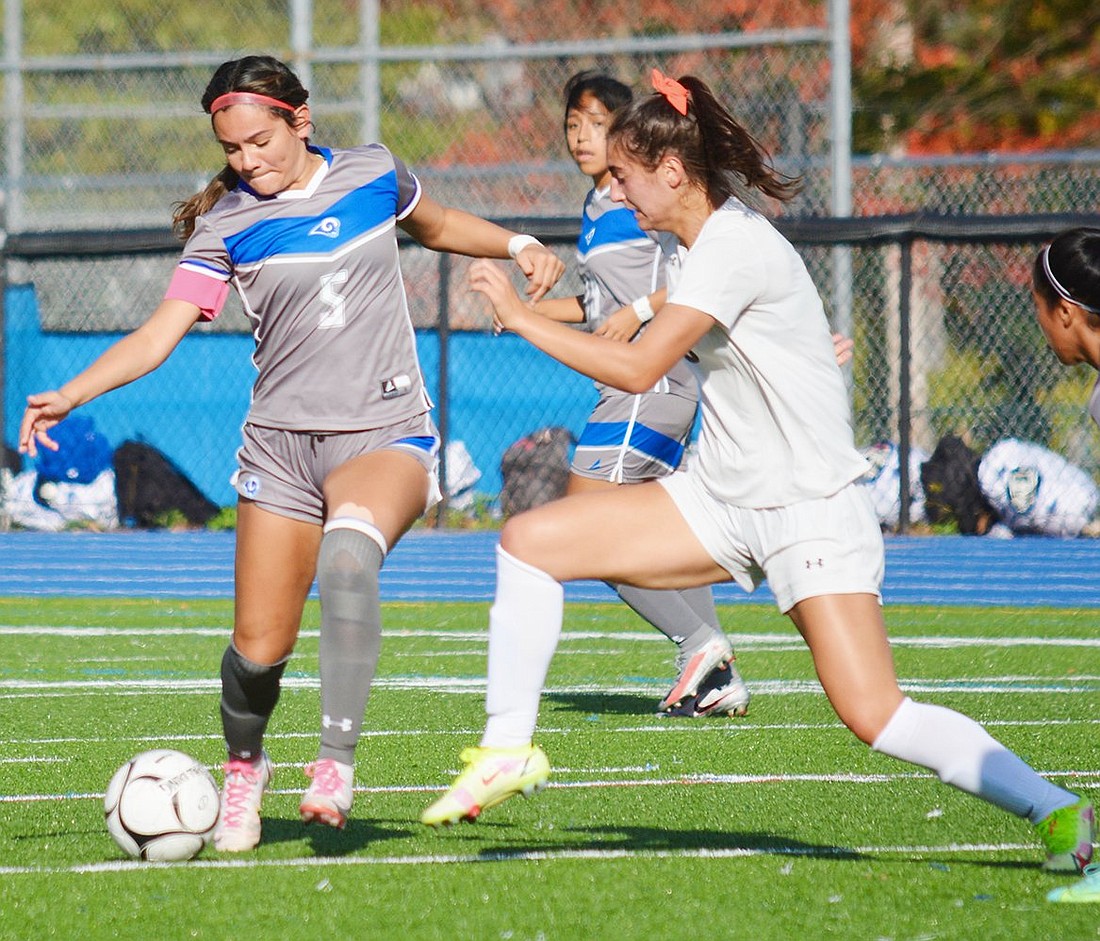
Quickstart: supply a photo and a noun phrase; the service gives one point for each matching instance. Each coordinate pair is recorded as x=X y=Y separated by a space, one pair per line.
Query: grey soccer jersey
x=618 y=263
x=318 y=275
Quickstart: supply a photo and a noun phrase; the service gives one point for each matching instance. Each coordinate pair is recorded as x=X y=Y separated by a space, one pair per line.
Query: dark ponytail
x=718 y=154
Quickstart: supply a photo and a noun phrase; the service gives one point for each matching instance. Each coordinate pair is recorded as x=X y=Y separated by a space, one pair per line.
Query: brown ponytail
x=718 y=154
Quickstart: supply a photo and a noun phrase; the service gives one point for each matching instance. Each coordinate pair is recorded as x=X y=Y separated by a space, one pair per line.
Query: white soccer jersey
x=776 y=425
x=618 y=263
x=318 y=274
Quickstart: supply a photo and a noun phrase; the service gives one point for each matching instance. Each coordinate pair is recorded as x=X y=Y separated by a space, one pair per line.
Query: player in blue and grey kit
x=630 y=438
x=339 y=451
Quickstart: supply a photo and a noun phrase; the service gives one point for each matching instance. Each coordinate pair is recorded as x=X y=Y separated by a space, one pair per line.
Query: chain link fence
x=103 y=134
x=103 y=126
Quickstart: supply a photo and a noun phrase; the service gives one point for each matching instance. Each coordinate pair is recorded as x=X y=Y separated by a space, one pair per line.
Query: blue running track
x=459 y=566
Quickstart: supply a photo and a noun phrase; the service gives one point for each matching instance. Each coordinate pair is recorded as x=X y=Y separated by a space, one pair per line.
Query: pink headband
x=247 y=98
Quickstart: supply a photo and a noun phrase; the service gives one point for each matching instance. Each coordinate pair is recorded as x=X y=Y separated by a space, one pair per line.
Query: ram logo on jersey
x=329 y=227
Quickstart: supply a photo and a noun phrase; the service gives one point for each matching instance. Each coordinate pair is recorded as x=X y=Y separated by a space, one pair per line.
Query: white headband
x=1057 y=285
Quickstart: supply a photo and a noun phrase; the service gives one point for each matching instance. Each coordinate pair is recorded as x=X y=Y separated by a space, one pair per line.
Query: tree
x=941 y=75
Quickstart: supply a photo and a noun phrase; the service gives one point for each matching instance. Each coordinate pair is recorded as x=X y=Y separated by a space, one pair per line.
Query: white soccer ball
x=162 y=806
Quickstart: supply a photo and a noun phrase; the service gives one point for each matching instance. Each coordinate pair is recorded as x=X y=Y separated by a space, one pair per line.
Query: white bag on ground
x=883 y=482
x=62 y=503
x=1035 y=490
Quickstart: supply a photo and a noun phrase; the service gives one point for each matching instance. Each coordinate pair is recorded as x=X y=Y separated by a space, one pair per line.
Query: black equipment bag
x=535 y=469
x=149 y=487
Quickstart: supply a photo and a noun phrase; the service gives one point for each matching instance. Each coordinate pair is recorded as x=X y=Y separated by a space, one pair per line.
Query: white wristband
x=517 y=243
x=643 y=309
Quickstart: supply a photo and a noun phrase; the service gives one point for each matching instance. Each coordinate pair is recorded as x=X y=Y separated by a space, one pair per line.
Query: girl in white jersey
x=772 y=493
x=1066 y=286
x=632 y=437
x=339 y=454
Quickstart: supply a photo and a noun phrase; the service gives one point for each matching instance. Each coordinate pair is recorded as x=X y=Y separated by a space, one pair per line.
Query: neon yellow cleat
x=492 y=775
x=1068 y=835
x=1087 y=890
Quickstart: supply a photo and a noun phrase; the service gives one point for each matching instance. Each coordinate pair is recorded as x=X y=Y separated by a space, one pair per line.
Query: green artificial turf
x=778 y=825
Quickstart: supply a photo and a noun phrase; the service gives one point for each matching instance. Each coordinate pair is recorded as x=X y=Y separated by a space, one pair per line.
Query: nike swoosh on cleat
x=487 y=779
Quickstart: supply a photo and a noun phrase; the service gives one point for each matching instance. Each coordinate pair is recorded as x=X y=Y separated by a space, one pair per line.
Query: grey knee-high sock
x=249 y=694
x=701 y=601
x=351 y=634
x=685 y=617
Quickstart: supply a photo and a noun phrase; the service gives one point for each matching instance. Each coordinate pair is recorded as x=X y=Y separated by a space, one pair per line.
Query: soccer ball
x=162 y=806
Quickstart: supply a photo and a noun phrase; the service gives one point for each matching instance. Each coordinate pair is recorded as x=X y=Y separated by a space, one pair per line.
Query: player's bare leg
x=847 y=638
x=686 y=617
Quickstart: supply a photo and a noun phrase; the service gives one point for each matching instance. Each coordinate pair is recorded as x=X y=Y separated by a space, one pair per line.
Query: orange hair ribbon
x=673 y=91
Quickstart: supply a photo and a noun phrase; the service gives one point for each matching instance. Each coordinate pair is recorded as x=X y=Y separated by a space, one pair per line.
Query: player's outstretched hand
x=44 y=410
x=542 y=268
x=621 y=325
x=843 y=347
x=493 y=281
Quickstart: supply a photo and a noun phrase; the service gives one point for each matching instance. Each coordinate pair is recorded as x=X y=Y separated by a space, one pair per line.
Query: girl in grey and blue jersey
x=630 y=438
x=339 y=451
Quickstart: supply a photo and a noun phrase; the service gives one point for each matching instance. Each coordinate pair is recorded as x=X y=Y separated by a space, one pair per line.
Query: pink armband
x=206 y=292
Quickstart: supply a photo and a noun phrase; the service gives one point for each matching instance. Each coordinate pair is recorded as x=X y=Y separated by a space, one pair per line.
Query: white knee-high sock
x=965 y=756
x=524 y=625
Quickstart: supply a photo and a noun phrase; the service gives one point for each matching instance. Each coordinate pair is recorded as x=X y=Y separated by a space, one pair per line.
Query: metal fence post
x=905 y=289
x=15 y=138
x=369 y=70
x=443 y=329
x=3 y=344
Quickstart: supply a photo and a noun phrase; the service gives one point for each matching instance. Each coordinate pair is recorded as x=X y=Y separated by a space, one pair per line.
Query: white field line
x=34 y=760
x=20 y=689
x=687 y=727
x=749 y=641
x=602 y=855
x=685 y=780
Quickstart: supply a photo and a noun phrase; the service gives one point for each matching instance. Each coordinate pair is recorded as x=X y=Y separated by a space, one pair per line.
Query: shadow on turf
x=596 y=704
x=326 y=841
x=658 y=838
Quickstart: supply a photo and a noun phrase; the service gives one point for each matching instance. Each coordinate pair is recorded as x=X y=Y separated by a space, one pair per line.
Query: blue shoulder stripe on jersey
x=618 y=225
x=359 y=211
